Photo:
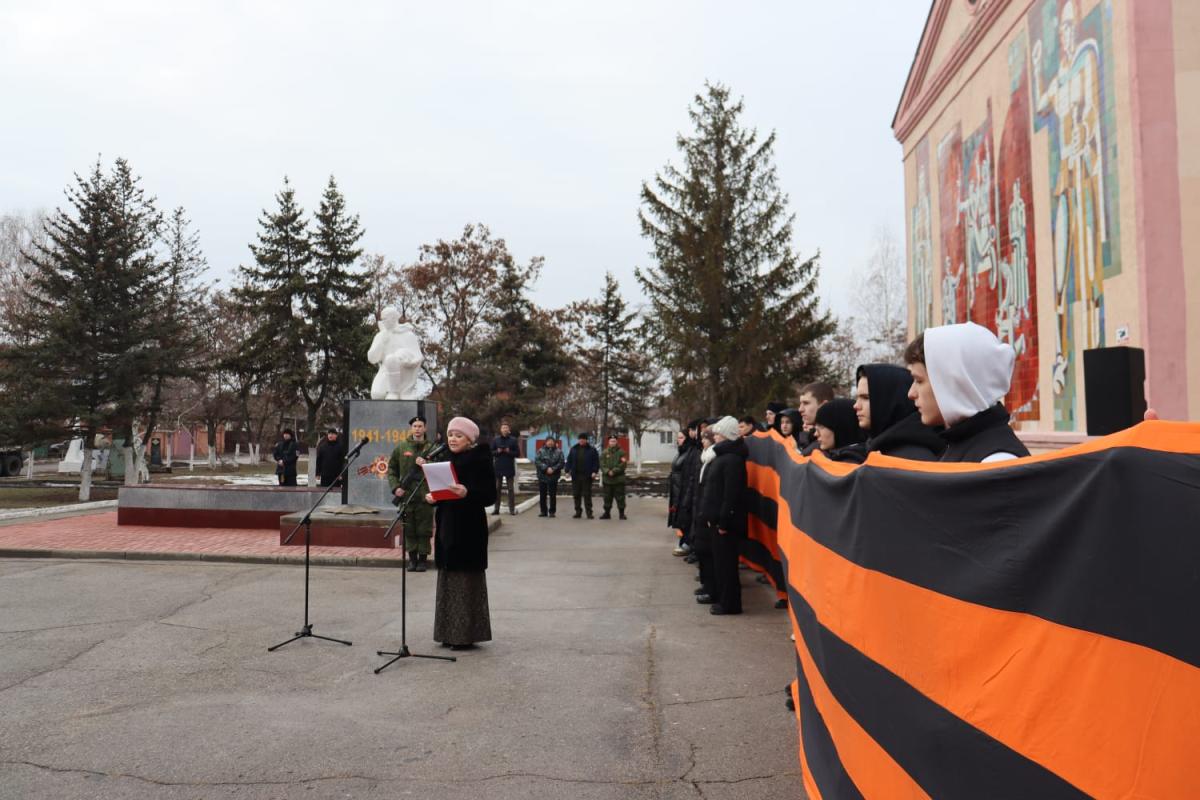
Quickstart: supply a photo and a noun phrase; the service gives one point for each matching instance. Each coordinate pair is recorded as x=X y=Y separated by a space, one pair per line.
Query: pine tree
x=273 y=291
x=89 y=348
x=177 y=312
x=338 y=308
x=734 y=316
x=613 y=361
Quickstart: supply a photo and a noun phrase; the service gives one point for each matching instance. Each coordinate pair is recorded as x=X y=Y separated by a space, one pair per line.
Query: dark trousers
x=288 y=476
x=581 y=488
x=614 y=491
x=725 y=571
x=512 y=492
x=702 y=546
x=548 y=496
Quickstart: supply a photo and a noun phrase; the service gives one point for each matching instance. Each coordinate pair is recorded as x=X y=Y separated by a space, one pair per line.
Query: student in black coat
x=961 y=374
x=891 y=420
x=679 y=512
x=723 y=512
x=700 y=536
x=286 y=454
x=838 y=434
x=790 y=425
x=331 y=457
x=461 y=616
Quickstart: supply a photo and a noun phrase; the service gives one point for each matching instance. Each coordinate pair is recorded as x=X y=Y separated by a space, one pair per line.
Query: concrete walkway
x=143 y=679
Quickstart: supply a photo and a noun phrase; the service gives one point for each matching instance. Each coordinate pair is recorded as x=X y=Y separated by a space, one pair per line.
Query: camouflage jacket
x=612 y=465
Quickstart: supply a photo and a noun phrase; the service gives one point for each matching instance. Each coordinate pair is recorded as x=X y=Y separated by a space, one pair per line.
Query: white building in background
x=657 y=444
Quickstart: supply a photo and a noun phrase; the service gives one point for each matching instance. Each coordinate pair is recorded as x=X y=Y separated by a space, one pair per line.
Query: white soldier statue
x=397 y=351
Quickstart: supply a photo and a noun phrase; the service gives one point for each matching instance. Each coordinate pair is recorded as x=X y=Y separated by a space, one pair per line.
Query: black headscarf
x=797 y=422
x=887 y=386
x=838 y=415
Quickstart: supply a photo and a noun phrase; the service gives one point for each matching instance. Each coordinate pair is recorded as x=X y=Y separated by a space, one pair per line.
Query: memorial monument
x=383 y=420
x=397 y=351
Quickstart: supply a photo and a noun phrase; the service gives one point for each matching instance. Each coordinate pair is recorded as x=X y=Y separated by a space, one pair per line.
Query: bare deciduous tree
x=453 y=293
x=881 y=300
x=386 y=285
x=18 y=233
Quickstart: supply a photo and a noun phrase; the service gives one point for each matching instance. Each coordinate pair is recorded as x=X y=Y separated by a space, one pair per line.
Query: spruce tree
x=612 y=358
x=734 y=315
x=89 y=346
x=338 y=308
x=177 y=313
x=273 y=291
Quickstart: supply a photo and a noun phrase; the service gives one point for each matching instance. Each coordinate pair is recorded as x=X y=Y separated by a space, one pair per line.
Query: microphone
x=366 y=441
x=437 y=451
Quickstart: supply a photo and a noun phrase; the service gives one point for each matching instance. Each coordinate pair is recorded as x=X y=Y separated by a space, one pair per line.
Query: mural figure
x=1014 y=296
x=986 y=203
x=975 y=209
x=951 y=278
x=1069 y=97
x=922 y=244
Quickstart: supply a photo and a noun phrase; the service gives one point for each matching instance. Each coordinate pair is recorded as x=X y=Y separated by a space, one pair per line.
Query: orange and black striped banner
x=1021 y=629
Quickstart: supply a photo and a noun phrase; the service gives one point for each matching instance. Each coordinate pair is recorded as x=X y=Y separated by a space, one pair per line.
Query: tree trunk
x=85 y=474
x=131 y=475
x=212 y=444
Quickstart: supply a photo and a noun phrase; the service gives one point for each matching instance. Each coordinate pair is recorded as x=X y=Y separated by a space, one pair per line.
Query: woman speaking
x=460 y=617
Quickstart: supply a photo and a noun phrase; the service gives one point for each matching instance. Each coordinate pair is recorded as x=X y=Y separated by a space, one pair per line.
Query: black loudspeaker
x=1115 y=379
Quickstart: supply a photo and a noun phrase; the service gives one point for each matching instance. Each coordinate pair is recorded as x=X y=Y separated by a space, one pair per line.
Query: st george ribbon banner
x=1018 y=629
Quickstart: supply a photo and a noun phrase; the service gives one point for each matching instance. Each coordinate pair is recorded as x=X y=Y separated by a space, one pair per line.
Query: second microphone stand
x=402 y=651
x=305 y=631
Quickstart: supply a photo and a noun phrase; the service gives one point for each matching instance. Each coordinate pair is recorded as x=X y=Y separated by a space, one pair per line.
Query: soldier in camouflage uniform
x=612 y=470
x=418 y=516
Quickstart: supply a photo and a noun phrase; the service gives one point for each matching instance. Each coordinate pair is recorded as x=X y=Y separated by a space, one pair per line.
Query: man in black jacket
x=331 y=456
x=961 y=374
x=890 y=419
x=723 y=512
x=583 y=465
x=504 y=456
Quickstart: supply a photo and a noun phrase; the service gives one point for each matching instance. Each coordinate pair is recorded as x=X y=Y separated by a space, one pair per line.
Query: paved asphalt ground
x=143 y=679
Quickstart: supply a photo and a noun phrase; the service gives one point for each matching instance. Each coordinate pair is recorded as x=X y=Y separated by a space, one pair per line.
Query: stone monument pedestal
x=342 y=530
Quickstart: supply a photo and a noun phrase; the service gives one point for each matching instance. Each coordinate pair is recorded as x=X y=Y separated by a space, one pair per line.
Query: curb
x=226 y=558
x=221 y=558
x=45 y=511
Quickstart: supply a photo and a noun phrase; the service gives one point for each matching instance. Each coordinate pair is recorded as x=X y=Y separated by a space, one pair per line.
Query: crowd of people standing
x=945 y=404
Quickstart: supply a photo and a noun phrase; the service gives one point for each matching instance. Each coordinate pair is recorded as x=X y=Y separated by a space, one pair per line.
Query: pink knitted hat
x=465 y=427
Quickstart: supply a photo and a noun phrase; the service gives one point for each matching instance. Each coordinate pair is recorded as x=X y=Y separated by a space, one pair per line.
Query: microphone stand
x=402 y=651
x=305 y=631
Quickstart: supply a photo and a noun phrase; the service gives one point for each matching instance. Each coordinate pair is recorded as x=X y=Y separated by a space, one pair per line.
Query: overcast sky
x=538 y=119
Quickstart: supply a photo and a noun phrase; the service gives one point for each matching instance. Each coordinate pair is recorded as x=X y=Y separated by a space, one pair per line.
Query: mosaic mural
x=921 y=246
x=1072 y=96
x=988 y=262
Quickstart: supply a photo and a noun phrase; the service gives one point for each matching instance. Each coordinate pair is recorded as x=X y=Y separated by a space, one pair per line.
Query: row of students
x=945 y=404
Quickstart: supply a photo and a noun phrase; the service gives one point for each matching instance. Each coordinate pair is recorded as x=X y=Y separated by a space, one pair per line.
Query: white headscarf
x=969 y=368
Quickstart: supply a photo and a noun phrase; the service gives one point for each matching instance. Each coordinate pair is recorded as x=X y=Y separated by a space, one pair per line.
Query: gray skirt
x=460 y=614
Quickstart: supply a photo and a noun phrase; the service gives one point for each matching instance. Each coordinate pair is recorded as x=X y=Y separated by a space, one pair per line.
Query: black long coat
x=723 y=499
x=331 y=457
x=461 y=537
x=682 y=486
